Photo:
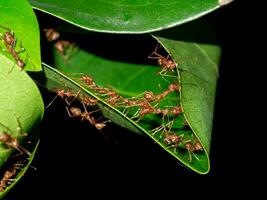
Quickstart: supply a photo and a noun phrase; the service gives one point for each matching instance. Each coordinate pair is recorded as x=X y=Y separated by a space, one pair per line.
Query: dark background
x=64 y=160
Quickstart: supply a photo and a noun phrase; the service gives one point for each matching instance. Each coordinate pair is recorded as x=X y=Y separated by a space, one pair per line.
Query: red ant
x=166 y=63
x=65 y=48
x=150 y=96
x=89 y=101
x=10 y=43
x=7 y=177
x=12 y=142
x=113 y=98
x=170 y=138
x=192 y=147
x=88 y=80
x=76 y=112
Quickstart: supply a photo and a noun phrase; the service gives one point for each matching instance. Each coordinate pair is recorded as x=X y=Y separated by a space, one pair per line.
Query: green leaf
x=120 y=16
x=21 y=105
x=21 y=172
x=18 y=16
x=198 y=74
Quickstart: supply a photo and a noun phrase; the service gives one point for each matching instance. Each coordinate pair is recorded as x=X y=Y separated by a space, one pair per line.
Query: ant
x=65 y=95
x=166 y=63
x=10 y=43
x=89 y=101
x=65 y=48
x=113 y=98
x=7 y=177
x=150 y=96
x=76 y=112
x=192 y=147
x=170 y=138
x=88 y=80
x=12 y=142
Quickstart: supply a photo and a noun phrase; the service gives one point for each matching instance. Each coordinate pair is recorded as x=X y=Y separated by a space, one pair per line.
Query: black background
x=125 y=157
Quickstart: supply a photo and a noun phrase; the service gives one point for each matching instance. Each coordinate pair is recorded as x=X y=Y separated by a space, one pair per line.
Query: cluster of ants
x=87 y=102
x=9 y=40
x=12 y=143
x=145 y=107
x=64 y=47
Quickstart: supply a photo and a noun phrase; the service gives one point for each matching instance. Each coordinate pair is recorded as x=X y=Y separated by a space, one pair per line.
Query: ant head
x=172 y=65
x=198 y=146
x=75 y=111
x=21 y=64
x=161 y=61
x=174 y=87
x=177 y=110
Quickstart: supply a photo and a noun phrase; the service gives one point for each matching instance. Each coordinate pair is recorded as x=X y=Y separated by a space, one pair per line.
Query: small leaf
x=18 y=16
x=120 y=16
x=21 y=104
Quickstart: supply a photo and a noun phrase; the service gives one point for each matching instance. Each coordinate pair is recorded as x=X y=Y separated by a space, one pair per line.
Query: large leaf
x=18 y=16
x=120 y=16
x=21 y=104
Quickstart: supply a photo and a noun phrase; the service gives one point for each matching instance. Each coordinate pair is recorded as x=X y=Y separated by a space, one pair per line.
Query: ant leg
x=4 y=126
x=195 y=156
x=155 y=50
x=157 y=129
x=19 y=128
x=136 y=114
x=190 y=156
x=8 y=29
x=155 y=57
x=22 y=151
x=51 y=102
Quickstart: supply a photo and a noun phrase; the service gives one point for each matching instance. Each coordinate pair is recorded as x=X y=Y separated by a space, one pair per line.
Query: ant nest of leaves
x=137 y=108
